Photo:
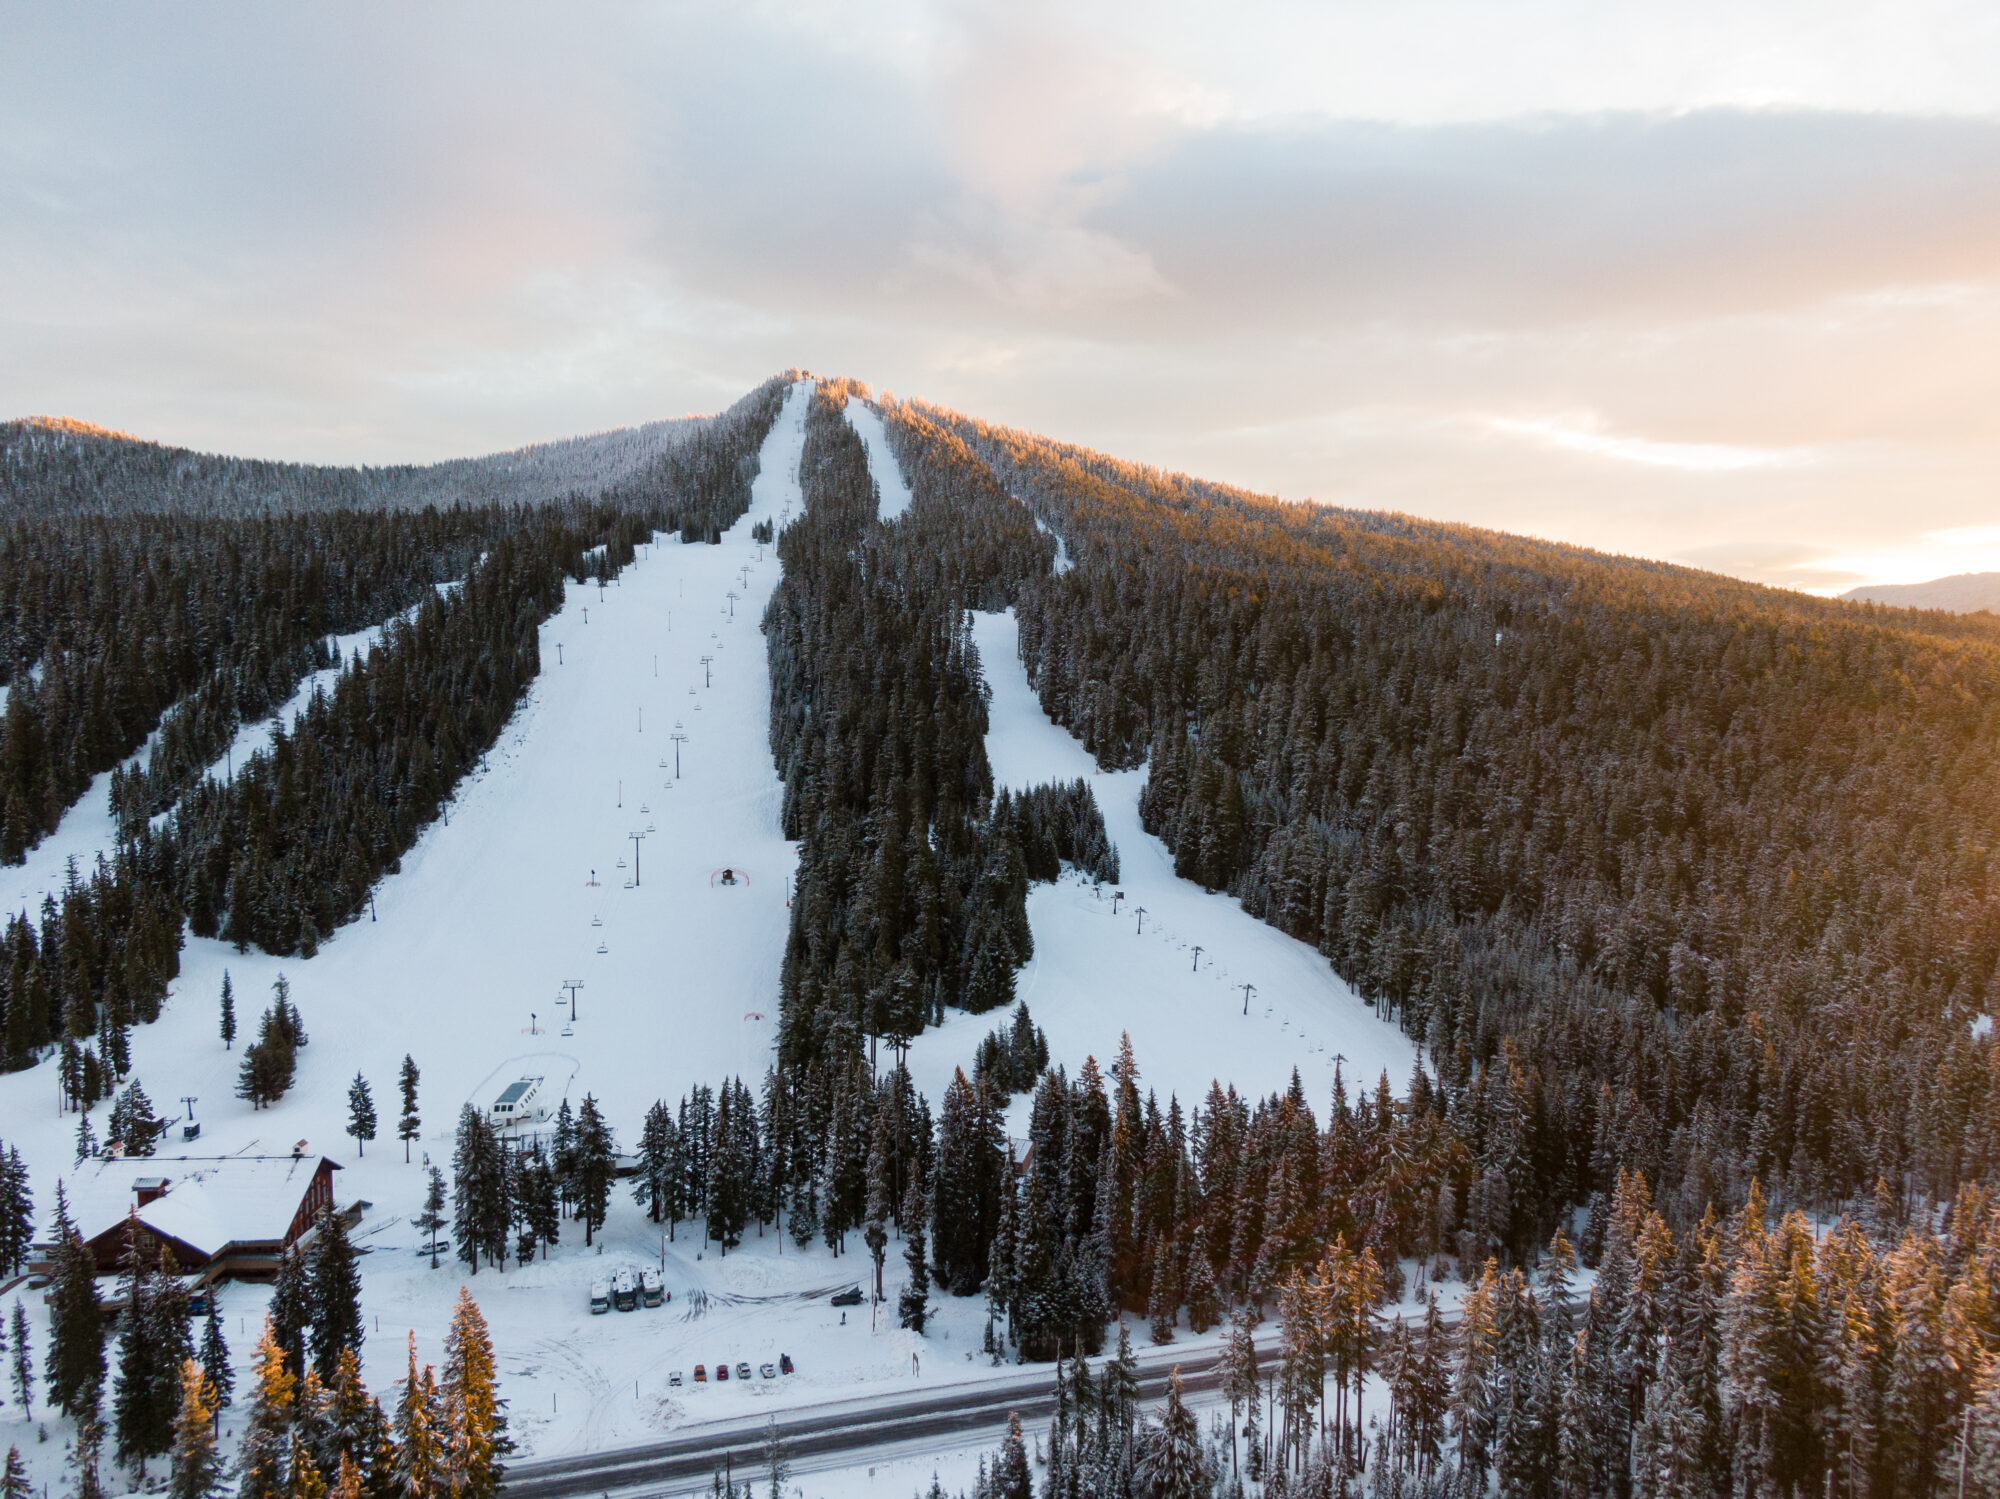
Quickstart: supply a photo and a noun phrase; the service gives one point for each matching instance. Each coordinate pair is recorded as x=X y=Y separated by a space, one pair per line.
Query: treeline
x=1718 y=860
x=1745 y=1357
x=289 y=849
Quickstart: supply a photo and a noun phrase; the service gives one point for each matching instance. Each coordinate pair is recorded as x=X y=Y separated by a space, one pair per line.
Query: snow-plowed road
x=851 y=1427
x=840 y=1435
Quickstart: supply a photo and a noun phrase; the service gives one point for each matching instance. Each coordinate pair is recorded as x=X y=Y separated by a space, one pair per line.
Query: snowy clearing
x=892 y=490
x=1094 y=975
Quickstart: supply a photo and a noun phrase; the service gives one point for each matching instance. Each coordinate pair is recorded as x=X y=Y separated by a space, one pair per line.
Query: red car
x=722 y=1371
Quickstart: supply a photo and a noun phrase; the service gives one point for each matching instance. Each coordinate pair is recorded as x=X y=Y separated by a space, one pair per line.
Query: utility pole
x=572 y=985
x=1248 y=990
x=635 y=837
x=707 y=680
x=679 y=739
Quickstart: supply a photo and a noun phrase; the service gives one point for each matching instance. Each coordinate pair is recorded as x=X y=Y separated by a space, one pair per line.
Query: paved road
x=816 y=1430
x=852 y=1426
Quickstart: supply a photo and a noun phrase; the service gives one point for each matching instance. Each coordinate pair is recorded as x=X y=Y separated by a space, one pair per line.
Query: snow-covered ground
x=1095 y=974
x=893 y=488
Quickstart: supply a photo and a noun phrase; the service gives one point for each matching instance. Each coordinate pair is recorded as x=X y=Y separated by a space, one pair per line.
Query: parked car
x=784 y=1363
x=722 y=1371
x=742 y=1371
x=849 y=1297
x=600 y=1297
x=674 y=1378
x=701 y=1373
x=767 y=1371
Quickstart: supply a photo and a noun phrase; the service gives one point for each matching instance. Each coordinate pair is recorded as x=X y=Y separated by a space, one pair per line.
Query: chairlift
x=602 y=948
x=644 y=808
x=621 y=861
x=651 y=829
x=597 y=921
x=566 y=1031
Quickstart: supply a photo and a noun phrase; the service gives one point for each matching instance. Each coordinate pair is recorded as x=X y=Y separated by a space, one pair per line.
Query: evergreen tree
x=228 y=1013
x=473 y=1427
x=1171 y=1464
x=14 y=1482
x=17 y=1211
x=23 y=1365
x=263 y=1463
x=86 y=1456
x=291 y=1308
x=408 y=1125
x=152 y=1343
x=75 y=1361
x=334 y=1291
x=913 y=1305
x=215 y=1353
x=360 y=1113
x=197 y=1469
x=595 y=1167
x=432 y=1218
x=420 y=1453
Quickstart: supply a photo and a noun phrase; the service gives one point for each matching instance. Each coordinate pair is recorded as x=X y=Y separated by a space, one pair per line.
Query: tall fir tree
x=360 y=1114
x=334 y=1291
x=473 y=1426
x=197 y=1467
x=409 y=1126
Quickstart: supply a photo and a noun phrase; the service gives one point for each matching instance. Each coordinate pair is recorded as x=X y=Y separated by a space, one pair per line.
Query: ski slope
x=892 y=489
x=1095 y=974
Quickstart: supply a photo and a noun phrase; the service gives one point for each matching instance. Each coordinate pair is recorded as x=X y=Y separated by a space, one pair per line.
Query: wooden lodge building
x=214 y=1217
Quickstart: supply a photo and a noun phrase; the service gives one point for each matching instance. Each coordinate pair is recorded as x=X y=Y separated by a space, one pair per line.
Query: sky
x=1714 y=282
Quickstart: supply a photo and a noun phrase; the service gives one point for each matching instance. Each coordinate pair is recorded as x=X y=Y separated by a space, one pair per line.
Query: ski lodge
x=213 y=1217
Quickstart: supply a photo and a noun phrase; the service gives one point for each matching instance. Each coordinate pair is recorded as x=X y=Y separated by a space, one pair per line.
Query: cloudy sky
x=1713 y=280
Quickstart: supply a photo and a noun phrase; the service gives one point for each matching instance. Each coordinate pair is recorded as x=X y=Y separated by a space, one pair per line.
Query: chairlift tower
x=570 y=986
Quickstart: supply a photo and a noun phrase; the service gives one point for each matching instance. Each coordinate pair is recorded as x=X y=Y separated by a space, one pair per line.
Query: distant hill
x=1963 y=593
x=59 y=466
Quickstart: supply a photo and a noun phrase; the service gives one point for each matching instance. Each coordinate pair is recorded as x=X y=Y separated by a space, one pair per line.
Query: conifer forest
x=1683 y=893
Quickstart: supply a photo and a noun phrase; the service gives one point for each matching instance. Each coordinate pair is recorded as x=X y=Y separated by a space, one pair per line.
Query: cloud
x=1586 y=434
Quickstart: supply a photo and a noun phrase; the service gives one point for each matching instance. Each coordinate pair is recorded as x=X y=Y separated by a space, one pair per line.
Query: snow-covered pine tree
x=290 y=1311
x=653 y=1188
x=595 y=1167
x=263 y=1462
x=152 y=1343
x=17 y=1211
x=420 y=1456
x=22 y=1361
x=913 y=1305
x=432 y=1218
x=14 y=1482
x=197 y=1468
x=215 y=1352
x=334 y=1289
x=75 y=1363
x=1170 y=1463
x=408 y=1124
x=472 y=1425
x=360 y=1113
x=228 y=1013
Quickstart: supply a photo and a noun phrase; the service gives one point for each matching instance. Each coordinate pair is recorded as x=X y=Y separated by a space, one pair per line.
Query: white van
x=600 y=1297
x=652 y=1287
